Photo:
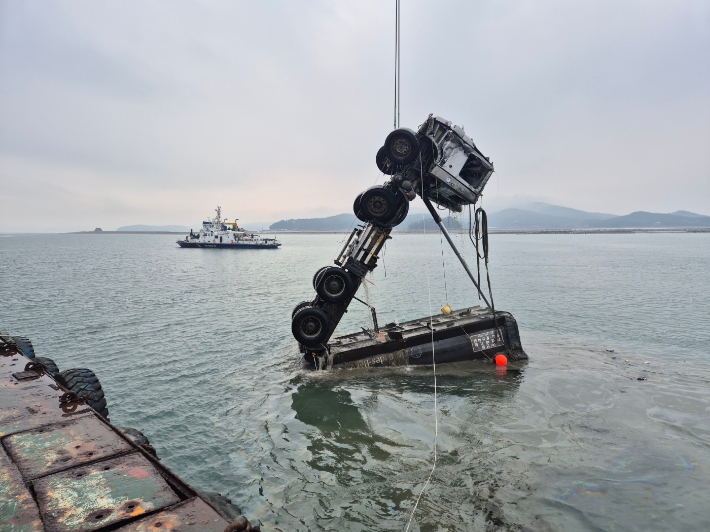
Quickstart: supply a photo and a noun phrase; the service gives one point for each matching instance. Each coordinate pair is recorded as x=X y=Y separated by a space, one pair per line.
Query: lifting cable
x=443 y=266
x=396 y=66
x=436 y=404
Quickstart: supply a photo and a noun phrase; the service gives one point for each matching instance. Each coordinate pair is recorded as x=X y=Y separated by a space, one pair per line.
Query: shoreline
x=491 y=231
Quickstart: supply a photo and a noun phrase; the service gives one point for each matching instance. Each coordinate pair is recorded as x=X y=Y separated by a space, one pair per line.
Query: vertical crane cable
x=431 y=315
x=433 y=359
x=396 y=66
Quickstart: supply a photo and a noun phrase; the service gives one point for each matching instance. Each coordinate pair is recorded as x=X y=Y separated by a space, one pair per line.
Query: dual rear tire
x=382 y=206
x=334 y=284
x=401 y=147
x=310 y=326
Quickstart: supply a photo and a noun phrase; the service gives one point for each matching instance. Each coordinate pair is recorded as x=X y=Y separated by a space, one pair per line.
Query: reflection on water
x=194 y=349
x=345 y=443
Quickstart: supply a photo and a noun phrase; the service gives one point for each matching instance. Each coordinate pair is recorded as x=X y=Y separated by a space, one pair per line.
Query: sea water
x=193 y=347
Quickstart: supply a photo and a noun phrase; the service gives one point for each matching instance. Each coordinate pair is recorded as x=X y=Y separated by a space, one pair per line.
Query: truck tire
x=377 y=205
x=402 y=209
x=310 y=326
x=315 y=276
x=383 y=162
x=356 y=208
x=86 y=385
x=51 y=366
x=402 y=146
x=299 y=307
x=334 y=284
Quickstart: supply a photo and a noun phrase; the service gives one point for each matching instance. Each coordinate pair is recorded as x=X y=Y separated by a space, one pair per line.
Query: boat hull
x=226 y=245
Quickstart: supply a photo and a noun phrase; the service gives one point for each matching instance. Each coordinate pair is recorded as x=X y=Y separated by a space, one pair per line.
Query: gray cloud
x=137 y=112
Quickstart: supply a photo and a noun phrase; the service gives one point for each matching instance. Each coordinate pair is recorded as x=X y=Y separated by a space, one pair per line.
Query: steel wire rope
x=443 y=266
x=396 y=64
x=433 y=359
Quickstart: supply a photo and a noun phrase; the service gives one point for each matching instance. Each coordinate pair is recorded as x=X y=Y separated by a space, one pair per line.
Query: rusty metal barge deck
x=467 y=334
x=65 y=468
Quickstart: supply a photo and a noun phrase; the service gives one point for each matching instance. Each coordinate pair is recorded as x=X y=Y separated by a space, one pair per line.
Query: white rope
x=436 y=408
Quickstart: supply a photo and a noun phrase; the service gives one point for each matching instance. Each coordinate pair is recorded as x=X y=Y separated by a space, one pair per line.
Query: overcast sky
x=116 y=113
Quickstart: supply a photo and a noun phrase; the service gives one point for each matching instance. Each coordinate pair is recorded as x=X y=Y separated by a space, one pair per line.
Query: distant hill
x=339 y=222
x=688 y=214
x=172 y=228
x=524 y=219
x=564 y=212
x=642 y=219
x=528 y=216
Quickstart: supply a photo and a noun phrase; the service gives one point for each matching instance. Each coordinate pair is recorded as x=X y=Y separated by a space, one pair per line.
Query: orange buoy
x=501 y=360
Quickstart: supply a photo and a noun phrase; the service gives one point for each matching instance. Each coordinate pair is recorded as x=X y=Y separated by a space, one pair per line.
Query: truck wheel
x=383 y=163
x=334 y=284
x=315 y=276
x=299 y=307
x=356 y=209
x=86 y=385
x=51 y=366
x=401 y=213
x=310 y=326
x=377 y=204
x=402 y=146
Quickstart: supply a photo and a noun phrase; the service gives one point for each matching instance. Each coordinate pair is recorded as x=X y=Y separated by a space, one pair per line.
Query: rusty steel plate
x=18 y=511
x=49 y=449
x=191 y=516
x=28 y=404
x=90 y=497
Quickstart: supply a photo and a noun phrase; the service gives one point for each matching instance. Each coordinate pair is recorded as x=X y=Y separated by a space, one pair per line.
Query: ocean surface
x=194 y=348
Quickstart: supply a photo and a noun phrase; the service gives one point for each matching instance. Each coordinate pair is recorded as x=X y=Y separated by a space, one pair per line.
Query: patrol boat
x=218 y=233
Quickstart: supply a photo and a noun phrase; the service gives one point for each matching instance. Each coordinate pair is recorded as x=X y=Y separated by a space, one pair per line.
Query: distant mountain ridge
x=339 y=222
x=642 y=219
x=529 y=216
x=563 y=212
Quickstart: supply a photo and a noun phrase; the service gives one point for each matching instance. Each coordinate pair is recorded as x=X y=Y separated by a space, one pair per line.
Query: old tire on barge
x=86 y=385
x=140 y=439
x=48 y=363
